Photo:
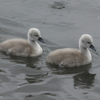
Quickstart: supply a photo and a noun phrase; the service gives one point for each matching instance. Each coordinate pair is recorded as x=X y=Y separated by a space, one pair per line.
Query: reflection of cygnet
x=21 y=47
x=69 y=57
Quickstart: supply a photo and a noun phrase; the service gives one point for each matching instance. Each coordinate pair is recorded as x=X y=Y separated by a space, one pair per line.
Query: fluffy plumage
x=22 y=47
x=70 y=57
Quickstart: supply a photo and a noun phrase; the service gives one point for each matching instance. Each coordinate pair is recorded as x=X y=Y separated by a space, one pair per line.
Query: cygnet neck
x=85 y=51
x=36 y=47
x=32 y=43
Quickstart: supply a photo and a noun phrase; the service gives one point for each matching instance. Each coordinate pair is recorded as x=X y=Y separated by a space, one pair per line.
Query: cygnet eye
x=88 y=42
x=36 y=35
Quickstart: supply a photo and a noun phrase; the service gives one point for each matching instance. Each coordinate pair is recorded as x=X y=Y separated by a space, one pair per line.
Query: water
x=61 y=24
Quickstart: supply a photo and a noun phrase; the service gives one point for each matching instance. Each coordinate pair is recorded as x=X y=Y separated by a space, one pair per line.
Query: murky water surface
x=61 y=24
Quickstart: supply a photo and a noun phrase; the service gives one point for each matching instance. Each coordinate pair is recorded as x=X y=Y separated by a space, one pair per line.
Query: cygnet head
x=86 y=41
x=35 y=35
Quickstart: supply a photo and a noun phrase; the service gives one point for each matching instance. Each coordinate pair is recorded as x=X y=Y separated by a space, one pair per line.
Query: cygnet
x=22 y=47
x=70 y=57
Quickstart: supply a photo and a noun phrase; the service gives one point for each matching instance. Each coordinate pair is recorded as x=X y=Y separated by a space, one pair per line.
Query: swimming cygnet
x=70 y=57
x=22 y=47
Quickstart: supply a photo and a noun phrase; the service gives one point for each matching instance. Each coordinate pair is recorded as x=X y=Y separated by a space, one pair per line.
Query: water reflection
x=35 y=78
x=84 y=80
x=28 y=61
x=31 y=68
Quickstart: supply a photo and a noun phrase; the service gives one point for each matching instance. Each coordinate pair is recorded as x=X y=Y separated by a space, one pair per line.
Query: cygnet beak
x=40 y=39
x=92 y=47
